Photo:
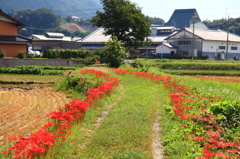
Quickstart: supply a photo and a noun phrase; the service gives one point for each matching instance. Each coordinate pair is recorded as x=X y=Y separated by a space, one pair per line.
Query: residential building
x=54 y=41
x=216 y=44
x=11 y=43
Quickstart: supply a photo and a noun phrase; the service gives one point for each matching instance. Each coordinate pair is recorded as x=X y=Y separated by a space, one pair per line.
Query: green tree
x=114 y=52
x=124 y=20
x=155 y=20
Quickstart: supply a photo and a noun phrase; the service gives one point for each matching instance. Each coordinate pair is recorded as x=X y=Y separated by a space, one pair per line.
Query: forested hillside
x=84 y=9
x=234 y=25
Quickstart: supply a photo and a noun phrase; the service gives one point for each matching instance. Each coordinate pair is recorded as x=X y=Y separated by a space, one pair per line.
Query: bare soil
x=226 y=79
x=72 y=27
x=23 y=106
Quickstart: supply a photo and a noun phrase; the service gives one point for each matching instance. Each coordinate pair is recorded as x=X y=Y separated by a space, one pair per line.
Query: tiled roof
x=214 y=35
x=181 y=18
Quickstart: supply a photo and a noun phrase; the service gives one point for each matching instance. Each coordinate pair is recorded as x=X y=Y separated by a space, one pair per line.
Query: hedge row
x=209 y=73
x=36 y=70
x=65 y=54
x=200 y=66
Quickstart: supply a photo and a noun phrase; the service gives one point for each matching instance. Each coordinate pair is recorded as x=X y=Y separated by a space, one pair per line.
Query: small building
x=159 y=33
x=166 y=49
x=54 y=41
x=215 y=44
x=11 y=43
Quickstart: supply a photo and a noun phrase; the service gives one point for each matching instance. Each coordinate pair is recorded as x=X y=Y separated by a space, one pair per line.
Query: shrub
x=2 y=54
x=21 y=54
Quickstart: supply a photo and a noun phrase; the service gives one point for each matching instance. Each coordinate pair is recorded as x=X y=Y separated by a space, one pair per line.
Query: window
x=184 y=42
x=221 y=47
x=234 y=48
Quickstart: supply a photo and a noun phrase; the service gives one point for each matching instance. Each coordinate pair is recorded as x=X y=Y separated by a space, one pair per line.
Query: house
x=97 y=39
x=11 y=43
x=54 y=41
x=216 y=44
x=158 y=34
x=185 y=18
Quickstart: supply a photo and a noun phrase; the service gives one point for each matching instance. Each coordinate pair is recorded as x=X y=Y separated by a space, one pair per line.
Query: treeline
x=234 y=25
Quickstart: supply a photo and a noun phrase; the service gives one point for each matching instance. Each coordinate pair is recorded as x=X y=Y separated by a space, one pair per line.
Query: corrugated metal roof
x=43 y=37
x=55 y=34
x=97 y=36
x=214 y=35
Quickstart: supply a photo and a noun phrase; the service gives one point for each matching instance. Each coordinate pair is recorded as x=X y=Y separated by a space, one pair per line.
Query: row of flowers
x=198 y=121
x=41 y=142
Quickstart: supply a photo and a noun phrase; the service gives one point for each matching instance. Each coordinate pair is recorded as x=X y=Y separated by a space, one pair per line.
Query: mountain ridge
x=84 y=9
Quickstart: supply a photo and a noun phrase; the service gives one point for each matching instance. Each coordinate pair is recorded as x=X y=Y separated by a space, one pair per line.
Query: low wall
x=39 y=62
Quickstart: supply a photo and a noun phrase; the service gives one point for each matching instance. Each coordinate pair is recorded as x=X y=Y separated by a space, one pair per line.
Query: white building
x=206 y=42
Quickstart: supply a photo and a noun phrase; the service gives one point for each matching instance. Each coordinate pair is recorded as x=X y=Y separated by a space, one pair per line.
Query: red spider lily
x=181 y=98
x=38 y=142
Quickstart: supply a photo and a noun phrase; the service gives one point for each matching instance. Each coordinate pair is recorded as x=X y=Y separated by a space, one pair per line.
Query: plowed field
x=226 y=79
x=23 y=106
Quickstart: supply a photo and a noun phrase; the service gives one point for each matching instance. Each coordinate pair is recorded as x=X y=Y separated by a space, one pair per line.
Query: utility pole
x=193 y=41
x=227 y=38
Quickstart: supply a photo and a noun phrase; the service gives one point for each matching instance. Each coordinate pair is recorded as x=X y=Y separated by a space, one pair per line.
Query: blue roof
x=181 y=18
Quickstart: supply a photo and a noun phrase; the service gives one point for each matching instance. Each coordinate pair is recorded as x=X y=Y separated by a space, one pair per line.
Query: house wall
x=211 y=49
x=8 y=28
x=165 y=50
x=187 y=47
x=11 y=50
x=44 y=45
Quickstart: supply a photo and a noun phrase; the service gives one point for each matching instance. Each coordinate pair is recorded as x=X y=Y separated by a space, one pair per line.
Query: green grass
x=204 y=72
x=126 y=131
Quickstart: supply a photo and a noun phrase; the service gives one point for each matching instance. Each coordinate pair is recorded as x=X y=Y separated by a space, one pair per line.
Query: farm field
x=128 y=123
x=27 y=104
x=225 y=79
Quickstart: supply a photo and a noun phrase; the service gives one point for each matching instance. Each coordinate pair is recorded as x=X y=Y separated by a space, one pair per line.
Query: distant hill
x=84 y=9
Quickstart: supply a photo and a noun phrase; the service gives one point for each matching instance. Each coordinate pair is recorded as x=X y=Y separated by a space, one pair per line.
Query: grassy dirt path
x=128 y=127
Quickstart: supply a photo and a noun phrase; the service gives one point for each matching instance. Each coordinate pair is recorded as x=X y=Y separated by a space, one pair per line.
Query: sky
x=207 y=9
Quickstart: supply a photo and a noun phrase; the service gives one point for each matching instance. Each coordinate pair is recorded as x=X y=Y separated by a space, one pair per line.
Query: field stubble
x=22 y=107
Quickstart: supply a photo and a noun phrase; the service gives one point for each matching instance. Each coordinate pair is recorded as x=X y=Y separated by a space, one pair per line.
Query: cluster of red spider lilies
x=55 y=132
x=201 y=123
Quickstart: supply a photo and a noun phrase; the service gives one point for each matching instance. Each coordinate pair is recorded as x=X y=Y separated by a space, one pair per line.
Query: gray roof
x=96 y=37
x=214 y=35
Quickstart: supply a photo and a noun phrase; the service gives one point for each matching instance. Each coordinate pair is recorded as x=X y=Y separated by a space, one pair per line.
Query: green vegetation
x=77 y=84
x=65 y=53
x=189 y=67
x=156 y=20
x=234 y=25
x=2 y=54
x=114 y=52
x=21 y=54
x=124 y=20
x=36 y=70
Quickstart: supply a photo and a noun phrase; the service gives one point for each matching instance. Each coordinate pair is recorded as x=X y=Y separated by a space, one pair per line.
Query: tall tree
x=124 y=19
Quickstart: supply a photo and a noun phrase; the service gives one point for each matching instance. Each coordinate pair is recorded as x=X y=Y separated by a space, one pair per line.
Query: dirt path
x=22 y=107
x=157 y=148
